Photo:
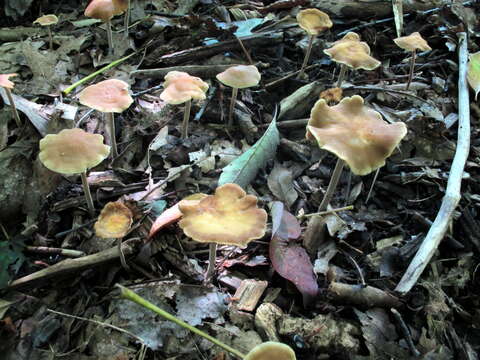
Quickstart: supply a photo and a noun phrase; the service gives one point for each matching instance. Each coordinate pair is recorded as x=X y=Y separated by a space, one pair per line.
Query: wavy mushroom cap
x=313 y=21
x=180 y=87
x=114 y=221
x=352 y=52
x=355 y=133
x=240 y=76
x=271 y=350
x=5 y=82
x=72 y=151
x=107 y=96
x=120 y=6
x=230 y=217
x=46 y=20
x=101 y=9
x=412 y=42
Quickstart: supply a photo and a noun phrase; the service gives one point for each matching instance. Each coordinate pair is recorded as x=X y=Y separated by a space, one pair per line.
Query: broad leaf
x=473 y=75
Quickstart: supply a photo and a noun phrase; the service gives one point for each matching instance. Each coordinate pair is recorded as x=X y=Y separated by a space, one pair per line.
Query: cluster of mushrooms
x=355 y=133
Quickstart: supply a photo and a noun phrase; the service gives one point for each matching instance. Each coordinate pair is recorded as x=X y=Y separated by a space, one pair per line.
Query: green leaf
x=244 y=168
x=473 y=75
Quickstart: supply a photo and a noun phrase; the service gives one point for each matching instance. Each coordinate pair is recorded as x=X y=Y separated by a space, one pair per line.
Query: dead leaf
x=280 y=182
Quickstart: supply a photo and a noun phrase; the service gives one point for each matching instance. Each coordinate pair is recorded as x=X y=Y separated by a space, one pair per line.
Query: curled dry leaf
x=473 y=75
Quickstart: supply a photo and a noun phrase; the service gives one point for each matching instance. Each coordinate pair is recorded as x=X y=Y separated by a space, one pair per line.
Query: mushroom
x=230 y=217
x=356 y=134
x=114 y=221
x=74 y=151
x=179 y=88
x=8 y=86
x=412 y=43
x=314 y=22
x=238 y=77
x=105 y=10
x=350 y=51
x=108 y=96
x=271 y=350
x=48 y=20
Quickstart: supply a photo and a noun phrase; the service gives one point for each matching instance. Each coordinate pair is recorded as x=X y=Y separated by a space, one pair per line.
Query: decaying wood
x=362 y=296
x=249 y=293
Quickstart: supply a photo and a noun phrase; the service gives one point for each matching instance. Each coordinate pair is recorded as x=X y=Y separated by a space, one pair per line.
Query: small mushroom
x=353 y=53
x=48 y=20
x=108 y=96
x=8 y=86
x=412 y=43
x=179 y=88
x=74 y=151
x=356 y=134
x=314 y=22
x=271 y=350
x=238 y=77
x=230 y=217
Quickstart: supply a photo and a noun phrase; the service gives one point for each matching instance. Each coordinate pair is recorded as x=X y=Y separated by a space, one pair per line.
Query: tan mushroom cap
x=47 y=20
x=101 y=9
x=5 y=82
x=180 y=87
x=106 y=96
x=114 y=221
x=120 y=6
x=72 y=151
x=240 y=76
x=230 y=217
x=271 y=350
x=412 y=42
x=352 y=52
x=355 y=133
x=313 y=21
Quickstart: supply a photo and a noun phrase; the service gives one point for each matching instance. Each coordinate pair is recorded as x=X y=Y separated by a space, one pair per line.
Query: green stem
x=130 y=295
x=332 y=185
x=111 y=130
x=186 y=117
x=232 y=106
x=14 y=108
x=307 y=56
x=412 y=66
x=108 y=23
x=212 y=256
x=88 y=195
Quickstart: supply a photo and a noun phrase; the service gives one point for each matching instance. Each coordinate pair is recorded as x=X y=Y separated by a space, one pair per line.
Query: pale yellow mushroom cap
x=5 y=82
x=271 y=350
x=106 y=96
x=180 y=87
x=355 y=133
x=230 y=217
x=72 y=151
x=412 y=42
x=46 y=20
x=313 y=21
x=114 y=221
x=240 y=76
x=352 y=52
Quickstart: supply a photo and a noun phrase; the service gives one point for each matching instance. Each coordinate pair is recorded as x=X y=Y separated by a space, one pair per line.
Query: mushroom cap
x=271 y=350
x=106 y=96
x=240 y=76
x=180 y=87
x=72 y=151
x=5 y=83
x=355 y=133
x=114 y=221
x=313 y=21
x=230 y=217
x=101 y=9
x=120 y=6
x=412 y=42
x=352 y=52
x=47 y=20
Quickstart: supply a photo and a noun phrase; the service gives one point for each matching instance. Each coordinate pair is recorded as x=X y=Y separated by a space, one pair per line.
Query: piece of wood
x=362 y=296
x=249 y=293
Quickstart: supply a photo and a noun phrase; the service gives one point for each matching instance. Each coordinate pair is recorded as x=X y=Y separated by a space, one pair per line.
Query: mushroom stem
x=212 y=256
x=108 y=23
x=50 y=38
x=127 y=19
x=88 y=195
x=14 y=108
x=412 y=66
x=341 y=76
x=130 y=295
x=332 y=185
x=111 y=130
x=186 y=117
x=371 y=186
x=307 y=56
x=232 y=106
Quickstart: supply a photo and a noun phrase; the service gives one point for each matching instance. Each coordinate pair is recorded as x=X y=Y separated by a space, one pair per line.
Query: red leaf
x=168 y=217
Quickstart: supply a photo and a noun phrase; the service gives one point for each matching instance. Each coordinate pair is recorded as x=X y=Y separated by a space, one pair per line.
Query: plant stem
x=111 y=130
x=186 y=117
x=307 y=56
x=232 y=106
x=412 y=66
x=50 y=38
x=341 y=76
x=88 y=195
x=14 y=108
x=332 y=185
x=108 y=23
x=127 y=19
x=212 y=256
x=130 y=295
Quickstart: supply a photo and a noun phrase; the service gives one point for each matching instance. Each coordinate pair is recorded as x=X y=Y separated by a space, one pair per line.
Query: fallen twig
x=362 y=296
